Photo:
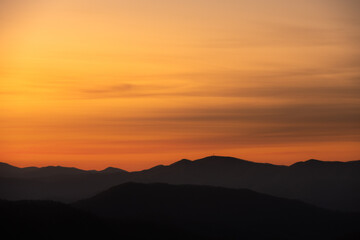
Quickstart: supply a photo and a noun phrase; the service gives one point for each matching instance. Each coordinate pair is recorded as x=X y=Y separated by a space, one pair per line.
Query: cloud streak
x=109 y=80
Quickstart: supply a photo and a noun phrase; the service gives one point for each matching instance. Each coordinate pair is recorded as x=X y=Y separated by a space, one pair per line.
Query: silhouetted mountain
x=332 y=185
x=47 y=220
x=56 y=183
x=328 y=184
x=220 y=212
x=10 y=171
x=162 y=211
x=214 y=170
x=7 y=170
x=113 y=170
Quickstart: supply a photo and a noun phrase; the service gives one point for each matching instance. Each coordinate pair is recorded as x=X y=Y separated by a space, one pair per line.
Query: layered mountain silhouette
x=7 y=170
x=220 y=212
x=163 y=211
x=48 y=220
x=333 y=185
x=45 y=220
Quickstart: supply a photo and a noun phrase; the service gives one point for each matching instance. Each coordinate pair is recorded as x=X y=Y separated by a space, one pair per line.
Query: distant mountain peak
x=216 y=159
x=313 y=160
x=181 y=162
x=157 y=167
x=310 y=162
x=209 y=160
x=60 y=167
x=2 y=164
x=112 y=170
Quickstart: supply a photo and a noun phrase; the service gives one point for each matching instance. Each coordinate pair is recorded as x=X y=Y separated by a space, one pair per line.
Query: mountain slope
x=221 y=212
x=44 y=220
x=9 y=171
x=214 y=170
x=64 y=188
x=333 y=185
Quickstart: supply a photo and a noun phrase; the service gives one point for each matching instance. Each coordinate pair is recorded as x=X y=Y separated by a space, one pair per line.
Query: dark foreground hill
x=47 y=220
x=56 y=183
x=220 y=213
x=44 y=220
x=333 y=185
x=161 y=211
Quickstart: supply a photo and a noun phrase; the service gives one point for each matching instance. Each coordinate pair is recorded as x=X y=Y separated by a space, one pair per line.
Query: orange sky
x=137 y=83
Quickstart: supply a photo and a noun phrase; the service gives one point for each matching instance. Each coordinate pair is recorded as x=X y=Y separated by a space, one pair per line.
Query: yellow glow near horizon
x=137 y=83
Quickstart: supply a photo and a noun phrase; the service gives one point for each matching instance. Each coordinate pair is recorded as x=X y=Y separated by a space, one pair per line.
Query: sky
x=137 y=83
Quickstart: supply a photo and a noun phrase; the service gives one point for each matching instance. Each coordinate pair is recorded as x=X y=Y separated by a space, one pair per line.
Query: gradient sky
x=136 y=83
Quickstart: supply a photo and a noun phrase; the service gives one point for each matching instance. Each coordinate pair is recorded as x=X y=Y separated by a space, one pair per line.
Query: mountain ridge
x=207 y=158
x=165 y=211
x=204 y=159
x=219 y=211
x=332 y=185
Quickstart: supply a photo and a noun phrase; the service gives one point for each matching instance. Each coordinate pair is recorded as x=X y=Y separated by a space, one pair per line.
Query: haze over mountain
x=7 y=170
x=57 y=221
x=219 y=212
x=163 y=211
x=112 y=85
x=332 y=185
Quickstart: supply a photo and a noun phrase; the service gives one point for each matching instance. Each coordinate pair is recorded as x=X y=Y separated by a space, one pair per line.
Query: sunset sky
x=136 y=83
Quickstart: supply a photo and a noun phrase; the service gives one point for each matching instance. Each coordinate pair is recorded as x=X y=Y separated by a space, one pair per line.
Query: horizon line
x=218 y=156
